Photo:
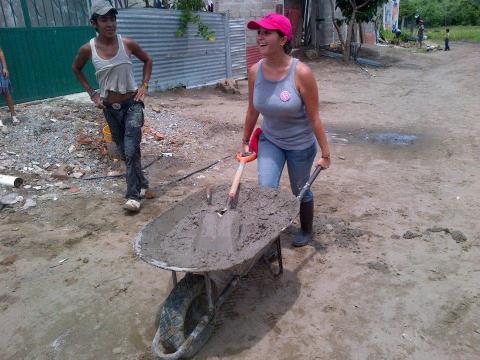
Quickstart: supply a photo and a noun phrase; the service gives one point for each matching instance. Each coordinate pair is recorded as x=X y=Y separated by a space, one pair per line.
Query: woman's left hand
x=141 y=93
x=324 y=163
x=5 y=73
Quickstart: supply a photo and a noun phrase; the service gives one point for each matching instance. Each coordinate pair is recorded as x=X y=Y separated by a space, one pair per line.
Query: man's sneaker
x=15 y=120
x=132 y=205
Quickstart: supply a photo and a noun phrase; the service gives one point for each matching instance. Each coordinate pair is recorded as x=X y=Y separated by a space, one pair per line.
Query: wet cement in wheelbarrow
x=192 y=235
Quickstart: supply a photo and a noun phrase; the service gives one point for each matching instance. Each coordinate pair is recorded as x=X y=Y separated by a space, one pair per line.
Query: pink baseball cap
x=273 y=21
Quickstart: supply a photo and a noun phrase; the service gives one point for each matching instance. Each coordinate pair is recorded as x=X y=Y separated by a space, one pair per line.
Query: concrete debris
x=438 y=229
x=311 y=54
x=228 y=86
x=9 y=260
x=411 y=235
x=10 y=199
x=458 y=236
x=53 y=197
x=29 y=203
x=77 y=175
x=60 y=153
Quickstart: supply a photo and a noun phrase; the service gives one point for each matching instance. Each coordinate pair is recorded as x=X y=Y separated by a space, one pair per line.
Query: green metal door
x=39 y=58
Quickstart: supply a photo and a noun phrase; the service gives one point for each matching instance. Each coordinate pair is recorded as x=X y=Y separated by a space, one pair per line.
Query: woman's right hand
x=245 y=148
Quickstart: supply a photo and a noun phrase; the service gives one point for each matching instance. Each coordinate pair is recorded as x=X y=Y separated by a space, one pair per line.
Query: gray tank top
x=115 y=74
x=285 y=121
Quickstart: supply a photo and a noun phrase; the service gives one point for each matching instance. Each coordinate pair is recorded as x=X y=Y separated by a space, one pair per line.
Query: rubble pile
x=59 y=144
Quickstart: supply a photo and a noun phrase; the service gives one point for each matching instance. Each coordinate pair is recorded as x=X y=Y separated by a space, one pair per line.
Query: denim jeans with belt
x=125 y=125
x=271 y=161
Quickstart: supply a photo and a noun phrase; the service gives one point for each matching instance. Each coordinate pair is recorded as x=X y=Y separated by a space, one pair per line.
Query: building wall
x=248 y=10
x=324 y=30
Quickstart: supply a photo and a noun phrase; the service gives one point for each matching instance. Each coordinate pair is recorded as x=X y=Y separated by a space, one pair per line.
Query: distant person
x=397 y=32
x=119 y=97
x=420 y=33
x=447 y=46
x=5 y=89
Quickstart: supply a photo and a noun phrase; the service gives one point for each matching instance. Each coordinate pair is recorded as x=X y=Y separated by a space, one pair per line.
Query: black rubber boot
x=304 y=236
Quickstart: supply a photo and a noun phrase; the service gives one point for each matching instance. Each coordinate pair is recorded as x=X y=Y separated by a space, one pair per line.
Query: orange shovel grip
x=246 y=158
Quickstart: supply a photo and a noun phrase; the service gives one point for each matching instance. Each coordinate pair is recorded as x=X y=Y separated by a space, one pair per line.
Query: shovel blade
x=218 y=233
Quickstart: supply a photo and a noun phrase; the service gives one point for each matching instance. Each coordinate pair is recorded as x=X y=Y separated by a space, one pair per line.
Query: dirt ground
x=375 y=284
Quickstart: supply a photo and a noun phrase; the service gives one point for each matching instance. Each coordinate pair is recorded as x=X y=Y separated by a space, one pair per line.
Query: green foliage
x=366 y=14
x=193 y=5
x=457 y=33
x=188 y=7
x=442 y=12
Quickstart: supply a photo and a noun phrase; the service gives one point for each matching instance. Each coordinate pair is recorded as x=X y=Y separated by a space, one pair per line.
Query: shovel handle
x=236 y=180
x=309 y=182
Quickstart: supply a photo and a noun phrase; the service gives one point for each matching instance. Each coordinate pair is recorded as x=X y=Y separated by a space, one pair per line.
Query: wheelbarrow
x=187 y=317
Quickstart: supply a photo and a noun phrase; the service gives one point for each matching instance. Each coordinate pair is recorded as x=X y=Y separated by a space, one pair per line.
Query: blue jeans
x=126 y=127
x=271 y=161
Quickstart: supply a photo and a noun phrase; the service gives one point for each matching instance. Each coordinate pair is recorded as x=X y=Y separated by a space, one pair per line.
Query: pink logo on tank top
x=284 y=96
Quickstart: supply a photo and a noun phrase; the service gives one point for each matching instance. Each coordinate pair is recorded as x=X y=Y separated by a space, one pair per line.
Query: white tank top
x=115 y=74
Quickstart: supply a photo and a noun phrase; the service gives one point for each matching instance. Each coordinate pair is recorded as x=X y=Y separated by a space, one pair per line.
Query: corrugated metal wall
x=39 y=59
x=238 y=48
x=183 y=61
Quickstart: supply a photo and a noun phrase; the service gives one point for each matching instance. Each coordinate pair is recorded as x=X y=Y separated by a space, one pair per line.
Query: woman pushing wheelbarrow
x=284 y=91
x=216 y=244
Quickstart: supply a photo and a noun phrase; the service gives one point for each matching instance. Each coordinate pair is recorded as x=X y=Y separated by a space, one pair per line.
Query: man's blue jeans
x=126 y=127
x=271 y=161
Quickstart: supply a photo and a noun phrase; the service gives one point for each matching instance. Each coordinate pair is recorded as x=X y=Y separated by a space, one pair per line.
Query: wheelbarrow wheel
x=181 y=312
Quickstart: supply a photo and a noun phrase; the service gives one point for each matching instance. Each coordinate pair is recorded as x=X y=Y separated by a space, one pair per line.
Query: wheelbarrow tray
x=170 y=241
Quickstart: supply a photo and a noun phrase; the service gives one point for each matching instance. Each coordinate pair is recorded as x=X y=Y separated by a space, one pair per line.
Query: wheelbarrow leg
x=174 y=278
x=279 y=259
x=208 y=286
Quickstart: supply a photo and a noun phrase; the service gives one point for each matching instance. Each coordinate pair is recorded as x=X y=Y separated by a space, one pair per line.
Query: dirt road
x=381 y=281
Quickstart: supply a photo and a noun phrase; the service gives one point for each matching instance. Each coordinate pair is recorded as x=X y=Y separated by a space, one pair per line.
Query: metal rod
x=279 y=257
x=228 y=49
x=208 y=285
x=226 y=292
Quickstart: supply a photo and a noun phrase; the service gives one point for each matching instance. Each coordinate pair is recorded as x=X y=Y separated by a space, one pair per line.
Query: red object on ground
x=254 y=140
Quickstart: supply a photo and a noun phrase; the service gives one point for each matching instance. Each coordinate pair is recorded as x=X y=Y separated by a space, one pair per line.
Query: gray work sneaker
x=132 y=205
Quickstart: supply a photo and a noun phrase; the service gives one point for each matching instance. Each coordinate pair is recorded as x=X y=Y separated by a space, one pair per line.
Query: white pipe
x=11 y=181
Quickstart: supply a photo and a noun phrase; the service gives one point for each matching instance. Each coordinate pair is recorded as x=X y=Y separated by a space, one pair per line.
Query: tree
x=188 y=7
x=353 y=11
x=442 y=12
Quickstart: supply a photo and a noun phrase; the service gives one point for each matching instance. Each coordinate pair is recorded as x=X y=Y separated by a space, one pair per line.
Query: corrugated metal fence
x=188 y=61
x=40 y=58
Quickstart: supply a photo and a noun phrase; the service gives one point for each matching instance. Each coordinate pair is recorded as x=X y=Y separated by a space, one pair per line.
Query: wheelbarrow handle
x=309 y=182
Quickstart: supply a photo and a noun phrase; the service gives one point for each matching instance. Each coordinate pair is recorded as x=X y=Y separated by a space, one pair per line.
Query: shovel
x=220 y=229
